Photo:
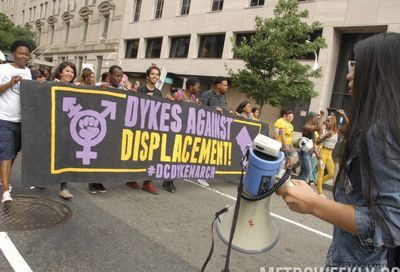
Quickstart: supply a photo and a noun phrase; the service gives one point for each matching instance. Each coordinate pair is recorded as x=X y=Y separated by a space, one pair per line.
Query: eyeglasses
x=350 y=65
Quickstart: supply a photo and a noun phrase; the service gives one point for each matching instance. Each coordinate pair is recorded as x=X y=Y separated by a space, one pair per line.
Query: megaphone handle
x=288 y=183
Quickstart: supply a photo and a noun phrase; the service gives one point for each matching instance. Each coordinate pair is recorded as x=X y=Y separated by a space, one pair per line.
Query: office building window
x=131 y=50
x=45 y=9
x=159 y=9
x=153 y=49
x=67 y=29
x=106 y=22
x=39 y=36
x=211 y=46
x=99 y=63
x=254 y=3
x=85 y=29
x=185 y=7
x=313 y=37
x=136 y=10
x=179 y=47
x=341 y=98
x=52 y=34
x=241 y=37
x=217 y=5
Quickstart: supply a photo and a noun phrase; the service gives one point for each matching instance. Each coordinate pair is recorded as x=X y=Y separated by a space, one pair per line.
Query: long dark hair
x=241 y=106
x=376 y=101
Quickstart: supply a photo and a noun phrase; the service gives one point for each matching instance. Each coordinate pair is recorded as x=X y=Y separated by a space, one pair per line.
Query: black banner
x=83 y=134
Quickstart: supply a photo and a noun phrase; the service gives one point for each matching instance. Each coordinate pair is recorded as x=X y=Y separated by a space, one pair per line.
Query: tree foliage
x=9 y=33
x=272 y=72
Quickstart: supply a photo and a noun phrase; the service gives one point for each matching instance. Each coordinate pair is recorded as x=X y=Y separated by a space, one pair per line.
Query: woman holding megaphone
x=366 y=210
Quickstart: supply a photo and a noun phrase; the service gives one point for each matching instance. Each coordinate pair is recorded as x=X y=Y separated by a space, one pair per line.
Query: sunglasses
x=350 y=65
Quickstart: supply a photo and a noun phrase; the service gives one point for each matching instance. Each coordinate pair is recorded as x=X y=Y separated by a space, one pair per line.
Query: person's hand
x=15 y=79
x=56 y=80
x=299 y=196
x=150 y=94
x=219 y=109
x=321 y=113
x=328 y=135
x=341 y=112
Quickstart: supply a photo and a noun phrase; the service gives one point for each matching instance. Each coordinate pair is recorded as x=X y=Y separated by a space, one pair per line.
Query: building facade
x=78 y=31
x=194 y=38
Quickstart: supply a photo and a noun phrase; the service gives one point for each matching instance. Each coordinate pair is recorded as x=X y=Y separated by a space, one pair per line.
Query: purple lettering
x=144 y=108
x=200 y=122
x=176 y=125
x=155 y=106
x=164 y=116
x=131 y=112
x=191 y=124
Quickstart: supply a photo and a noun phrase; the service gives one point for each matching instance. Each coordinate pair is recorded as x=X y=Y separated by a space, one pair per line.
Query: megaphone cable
x=241 y=194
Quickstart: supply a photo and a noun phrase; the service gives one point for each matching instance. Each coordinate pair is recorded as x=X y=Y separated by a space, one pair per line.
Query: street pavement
x=131 y=230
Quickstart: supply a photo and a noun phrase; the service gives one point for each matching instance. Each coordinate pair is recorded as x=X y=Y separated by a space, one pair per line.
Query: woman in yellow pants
x=328 y=139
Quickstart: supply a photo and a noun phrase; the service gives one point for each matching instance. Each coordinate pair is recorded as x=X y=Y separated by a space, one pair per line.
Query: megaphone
x=254 y=229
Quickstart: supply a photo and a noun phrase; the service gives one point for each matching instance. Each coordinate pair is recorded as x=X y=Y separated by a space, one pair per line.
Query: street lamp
x=112 y=54
x=315 y=65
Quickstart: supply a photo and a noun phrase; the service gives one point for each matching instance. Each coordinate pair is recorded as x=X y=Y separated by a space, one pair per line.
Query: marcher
x=40 y=76
x=216 y=98
x=284 y=130
x=328 y=138
x=305 y=156
x=244 y=110
x=152 y=75
x=366 y=209
x=136 y=86
x=10 y=113
x=66 y=73
x=187 y=95
x=87 y=78
x=255 y=112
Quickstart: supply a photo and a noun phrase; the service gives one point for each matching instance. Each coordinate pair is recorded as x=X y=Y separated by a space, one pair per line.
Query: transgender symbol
x=88 y=127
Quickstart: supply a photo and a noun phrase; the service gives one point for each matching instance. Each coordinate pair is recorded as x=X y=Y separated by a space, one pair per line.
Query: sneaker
x=9 y=187
x=92 y=188
x=65 y=194
x=133 y=185
x=101 y=188
x=203 y=182
x=169 y=186
x=6 y=197
x=148 y=186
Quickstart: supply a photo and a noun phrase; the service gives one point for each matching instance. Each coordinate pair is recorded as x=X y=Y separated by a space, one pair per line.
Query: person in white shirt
x=10 y=110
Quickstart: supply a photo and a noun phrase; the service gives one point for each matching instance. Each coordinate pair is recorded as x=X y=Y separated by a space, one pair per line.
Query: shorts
x=10 y=140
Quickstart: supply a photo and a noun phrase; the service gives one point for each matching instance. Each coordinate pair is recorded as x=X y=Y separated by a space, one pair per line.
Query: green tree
x=272 y=72
x=9 y=33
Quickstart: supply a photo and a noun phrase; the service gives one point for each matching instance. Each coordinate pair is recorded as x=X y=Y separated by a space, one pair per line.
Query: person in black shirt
x=152 y=75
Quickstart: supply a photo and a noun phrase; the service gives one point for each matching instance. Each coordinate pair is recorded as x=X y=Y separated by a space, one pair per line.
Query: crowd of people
x=322 y=136
x=365 y=210
x=66 y=72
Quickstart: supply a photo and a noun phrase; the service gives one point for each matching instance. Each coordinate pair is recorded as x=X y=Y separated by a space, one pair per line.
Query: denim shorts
x=10 y=140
